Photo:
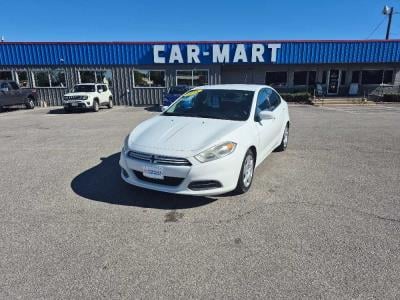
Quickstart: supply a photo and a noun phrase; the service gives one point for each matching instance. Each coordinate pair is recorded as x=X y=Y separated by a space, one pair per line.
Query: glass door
x=333 y=82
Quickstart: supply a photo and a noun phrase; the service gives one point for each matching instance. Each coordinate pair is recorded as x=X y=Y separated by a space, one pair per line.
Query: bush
x=391 y=98
x=297 y=97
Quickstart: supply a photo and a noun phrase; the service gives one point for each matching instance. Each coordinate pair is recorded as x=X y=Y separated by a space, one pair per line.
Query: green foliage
x=297 y=97
x=391 y=97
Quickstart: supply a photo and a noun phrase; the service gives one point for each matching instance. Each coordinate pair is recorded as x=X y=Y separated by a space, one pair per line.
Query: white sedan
x=208 y=142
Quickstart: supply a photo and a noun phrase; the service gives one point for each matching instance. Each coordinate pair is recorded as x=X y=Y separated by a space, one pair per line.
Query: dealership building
x=139 y=73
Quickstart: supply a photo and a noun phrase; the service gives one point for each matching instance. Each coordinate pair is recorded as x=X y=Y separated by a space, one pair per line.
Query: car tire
x=95 y=107
x=285 y=140
x=67 y=110
x=30 y=104
x=246 y=173
x=110 y=103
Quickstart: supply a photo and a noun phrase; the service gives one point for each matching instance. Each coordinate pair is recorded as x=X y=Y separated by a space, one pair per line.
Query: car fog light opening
x=125 y=173
x=216 y=152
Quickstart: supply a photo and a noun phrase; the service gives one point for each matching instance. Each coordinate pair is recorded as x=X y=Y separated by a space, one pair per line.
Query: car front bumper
x=200 y=179
x=76 y=104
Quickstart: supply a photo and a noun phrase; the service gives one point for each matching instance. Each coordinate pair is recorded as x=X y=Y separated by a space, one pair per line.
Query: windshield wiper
x=180 y=114
x=213 y=116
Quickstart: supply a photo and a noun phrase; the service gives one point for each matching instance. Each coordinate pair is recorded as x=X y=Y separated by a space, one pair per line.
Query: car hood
x=78 y=94
x=169 y=134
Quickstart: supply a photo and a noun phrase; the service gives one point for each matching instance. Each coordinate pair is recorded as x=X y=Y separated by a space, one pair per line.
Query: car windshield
x=214 y=104
x=85 y=88
x=177 y=90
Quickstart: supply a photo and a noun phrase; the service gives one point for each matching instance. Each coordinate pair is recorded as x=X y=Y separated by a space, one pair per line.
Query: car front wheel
x=285 y=140
x=110 y=103
x=246 y=173
x=30 y=104
x=95 y=107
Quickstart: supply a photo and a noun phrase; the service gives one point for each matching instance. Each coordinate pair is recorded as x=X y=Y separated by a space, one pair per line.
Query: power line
x=376 y=28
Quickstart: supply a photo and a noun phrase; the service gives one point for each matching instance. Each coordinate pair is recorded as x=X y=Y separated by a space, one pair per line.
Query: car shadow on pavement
x=61 y=111
x=103 y=183
x=11 y=109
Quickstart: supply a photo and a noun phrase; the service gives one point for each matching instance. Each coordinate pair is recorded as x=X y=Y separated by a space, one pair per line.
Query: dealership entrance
x=333 y=82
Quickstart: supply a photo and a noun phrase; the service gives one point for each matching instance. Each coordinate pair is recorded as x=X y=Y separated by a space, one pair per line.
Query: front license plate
x=155 y=172
x=74 y=104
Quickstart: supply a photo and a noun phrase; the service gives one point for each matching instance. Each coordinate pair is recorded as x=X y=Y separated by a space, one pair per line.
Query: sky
x=179 y=20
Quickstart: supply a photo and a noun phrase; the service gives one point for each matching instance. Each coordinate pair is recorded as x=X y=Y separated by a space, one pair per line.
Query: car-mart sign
x=215 y=53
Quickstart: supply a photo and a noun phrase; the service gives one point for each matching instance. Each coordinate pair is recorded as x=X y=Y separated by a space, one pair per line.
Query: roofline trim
x=196 y=42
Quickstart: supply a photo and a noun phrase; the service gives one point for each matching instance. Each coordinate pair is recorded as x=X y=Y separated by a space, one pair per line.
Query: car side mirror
x=100 y=90
x=4 y=89
x=164 y=108
x=266 y=115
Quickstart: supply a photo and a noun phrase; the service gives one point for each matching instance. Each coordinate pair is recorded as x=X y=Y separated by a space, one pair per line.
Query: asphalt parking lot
x=321 y=220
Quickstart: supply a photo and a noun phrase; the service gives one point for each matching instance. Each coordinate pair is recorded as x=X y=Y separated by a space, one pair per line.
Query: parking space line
x=336 y=109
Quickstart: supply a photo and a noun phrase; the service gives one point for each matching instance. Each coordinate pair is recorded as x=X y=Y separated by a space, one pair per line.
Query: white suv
x=88 y=96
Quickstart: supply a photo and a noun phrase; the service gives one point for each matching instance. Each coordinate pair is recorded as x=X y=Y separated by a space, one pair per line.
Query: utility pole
x=388 y=11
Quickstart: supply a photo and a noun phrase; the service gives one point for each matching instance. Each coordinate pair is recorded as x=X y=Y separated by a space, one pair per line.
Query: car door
x=265 y=128
x=278 y=109
x=105 y=93
x=17 y=95
x=100 y=92
x=7 y=94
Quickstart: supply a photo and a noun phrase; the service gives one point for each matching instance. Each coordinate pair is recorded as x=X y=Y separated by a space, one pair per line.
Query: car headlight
x=216 y=152
x=83 y=97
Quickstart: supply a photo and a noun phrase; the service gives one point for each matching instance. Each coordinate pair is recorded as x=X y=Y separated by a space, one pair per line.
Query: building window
x=192 y=77
x=300 y=78
x=104 y=76
x=57 y=78
x=388 y=76
x=149 y=78
x=312 y=77
x=5 y=75
x=343 y=78
x=324 y=75
x=304 y=78
x=22 y=78
x=52 y=78
x=355 y=77
x=277 y=79
x=42 y=79
x=377 y=76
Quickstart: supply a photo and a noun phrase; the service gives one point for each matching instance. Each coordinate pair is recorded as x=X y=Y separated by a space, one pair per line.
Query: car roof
x=89 y=83
x=245 y=87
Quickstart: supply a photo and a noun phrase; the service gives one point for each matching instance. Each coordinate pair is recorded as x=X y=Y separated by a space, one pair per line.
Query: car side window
x=99 y=87
x=274 y=100
x=262 y=102
x=105 y=89
x=14 y=85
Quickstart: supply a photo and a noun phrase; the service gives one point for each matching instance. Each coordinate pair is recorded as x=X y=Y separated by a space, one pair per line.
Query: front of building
x=140 y=73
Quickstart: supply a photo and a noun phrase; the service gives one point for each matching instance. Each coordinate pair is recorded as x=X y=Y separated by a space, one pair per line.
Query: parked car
x=174 y=93
x=208 y=142
x=11 y=94
x=88 y=96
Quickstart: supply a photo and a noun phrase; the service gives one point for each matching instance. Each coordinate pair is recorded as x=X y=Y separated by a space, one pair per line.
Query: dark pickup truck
x=12 y=94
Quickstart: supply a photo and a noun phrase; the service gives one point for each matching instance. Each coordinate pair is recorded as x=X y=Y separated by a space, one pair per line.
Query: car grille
x=170 y=181
x=72 y=97
x=159 y=159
